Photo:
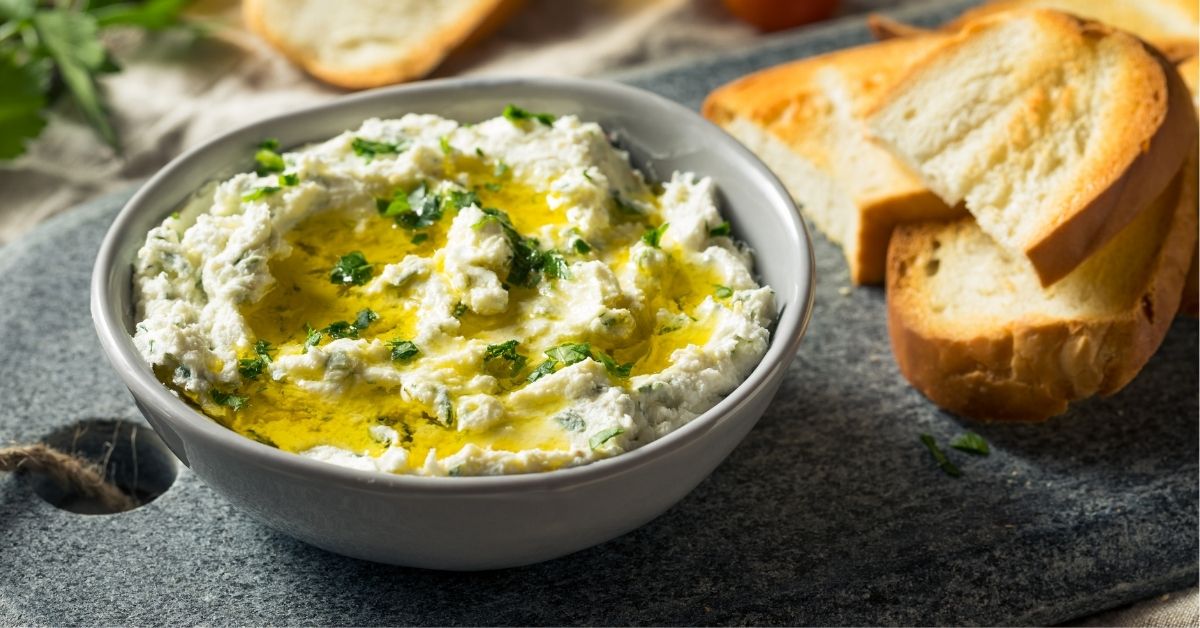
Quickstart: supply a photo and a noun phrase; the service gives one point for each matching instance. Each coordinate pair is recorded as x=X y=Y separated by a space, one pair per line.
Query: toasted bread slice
x=369 y=43
x=973 y=329
x=1190 y=302
x=804 y=119
x=1169 y=25
x=1054 y=131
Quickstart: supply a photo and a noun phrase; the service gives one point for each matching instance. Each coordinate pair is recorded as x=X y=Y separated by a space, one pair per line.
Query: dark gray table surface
x=830 y=512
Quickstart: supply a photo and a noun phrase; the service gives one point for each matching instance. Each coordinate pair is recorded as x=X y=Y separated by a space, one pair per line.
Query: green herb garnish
x=289 y=179
x=516 y=114
x=341 y=329
x=570 y=353
x=619 y=370
x=267 y=158
x=419 y=238
x=599 y=438
x=460 y=308
x=461 y=199
x=723 y=292
x=722 y=229
x=311 y=337
x=251 y=368
x=444 y=142
x=570 y=421
x=971 y=443
x=542 y=370
x=506 y=351
x=417 y=209
x=493 y=187
x=940 y=457
x=231 y=400
x=654 y=236
x=403 y=350
x=581 y=247
x=371 y=148
x=351 y=269
x=364 y=318
x=258 y=193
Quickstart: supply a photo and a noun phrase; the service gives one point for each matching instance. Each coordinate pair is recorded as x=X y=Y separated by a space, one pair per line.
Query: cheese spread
x=427 y=297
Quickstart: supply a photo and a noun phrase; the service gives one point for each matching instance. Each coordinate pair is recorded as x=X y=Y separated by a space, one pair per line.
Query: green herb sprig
x=50 y=51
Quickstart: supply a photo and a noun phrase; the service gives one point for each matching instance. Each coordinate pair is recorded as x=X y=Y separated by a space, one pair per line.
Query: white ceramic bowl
x=471 y=522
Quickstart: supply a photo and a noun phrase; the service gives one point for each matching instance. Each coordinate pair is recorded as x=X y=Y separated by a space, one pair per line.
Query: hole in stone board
x=132 y=457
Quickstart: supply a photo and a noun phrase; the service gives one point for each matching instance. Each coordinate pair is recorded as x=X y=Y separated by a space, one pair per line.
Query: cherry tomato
x=775 y=15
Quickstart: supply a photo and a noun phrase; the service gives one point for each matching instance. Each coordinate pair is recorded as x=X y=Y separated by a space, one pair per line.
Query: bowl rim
x=118 y=346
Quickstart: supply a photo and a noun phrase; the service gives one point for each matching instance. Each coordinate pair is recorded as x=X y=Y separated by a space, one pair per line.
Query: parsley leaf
x=570 y=421
x=403 y=350
x=364 y=318
x=570 y=353
x=267 y=158
x=311 y=338
x=412 y=210
x=150 y=15
x=581 y=247
x=940 y=457
x=444 y=143
x=542 y=370
x=251 y=368
x=341 y=329
x=506 y=351
x=289 y=179
x=459 y=309
x=231 y=400
x=619 y=370
x=351 y=268
x=723 y=292
x=20 y=107
x=73 y=43
x=419 y=238
x=601 y=437
x=461 y=199
x=654 y=236
x=370 y=148
x=722 y=229
x=516 y=114
x=259 y=193
x=553 y=265
x=971 y=443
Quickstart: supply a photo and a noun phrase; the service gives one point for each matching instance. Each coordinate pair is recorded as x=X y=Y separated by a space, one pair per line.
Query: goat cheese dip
x=426 y=297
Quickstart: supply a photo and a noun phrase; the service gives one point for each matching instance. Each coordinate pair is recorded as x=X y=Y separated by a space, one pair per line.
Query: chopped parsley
x=351 y=269
x=251 y=368
x=267 y=159
x=940 y=457
x=574 y=352
x=444 y=142
x=364 y=318
x=493 y=187
x=603 y=436
x=529 y=262
x=723 y=292
x=417 y=209
x=971 y=443
x=288 y=179
x=403 y=350
x=654 y=236
x=506 y=351
x=229 y=400
x=460 y=308
x=570 y=421
x=311 y=337
x=341 y=329
x=371 y=148
x=581 y=247
x=516 y=114
x=722 y=229
x=499 y=170
x=257 y=193
x=461 y=199
x=419 y=238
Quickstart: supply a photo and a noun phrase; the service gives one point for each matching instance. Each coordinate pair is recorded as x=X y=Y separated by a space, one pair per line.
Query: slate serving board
x=830 y=512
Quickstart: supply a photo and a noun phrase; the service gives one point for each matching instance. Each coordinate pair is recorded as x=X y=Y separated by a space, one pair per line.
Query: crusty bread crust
x=427 y=51
x=1029 y=369
x=1169 y=25
x=1129 y=167
x=789 y=116
x=1189 y=305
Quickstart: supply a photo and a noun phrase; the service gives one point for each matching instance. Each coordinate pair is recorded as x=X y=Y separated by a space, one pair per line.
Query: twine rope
x=74 y=475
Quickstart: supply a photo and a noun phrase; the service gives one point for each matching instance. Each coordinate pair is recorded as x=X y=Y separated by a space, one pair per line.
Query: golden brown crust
x=791 y=104
x=483 y=17
x=1029 y=370
x=1132 y=179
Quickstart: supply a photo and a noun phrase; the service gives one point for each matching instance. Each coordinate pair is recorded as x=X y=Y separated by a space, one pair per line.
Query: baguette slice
x=1169 y=25
x=804 y=119
x=973 y=329
x=1054 y=131
x=368 y=43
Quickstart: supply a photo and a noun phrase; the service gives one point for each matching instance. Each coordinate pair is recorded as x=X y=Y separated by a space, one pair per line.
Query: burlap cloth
x=178 y=91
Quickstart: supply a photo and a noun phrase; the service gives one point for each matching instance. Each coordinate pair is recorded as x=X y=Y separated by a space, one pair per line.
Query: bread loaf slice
x=1172 y=26
x=804 y=120
x=1189 y=304
x=973 y=329
x=368 y=43
x=1052 y=130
